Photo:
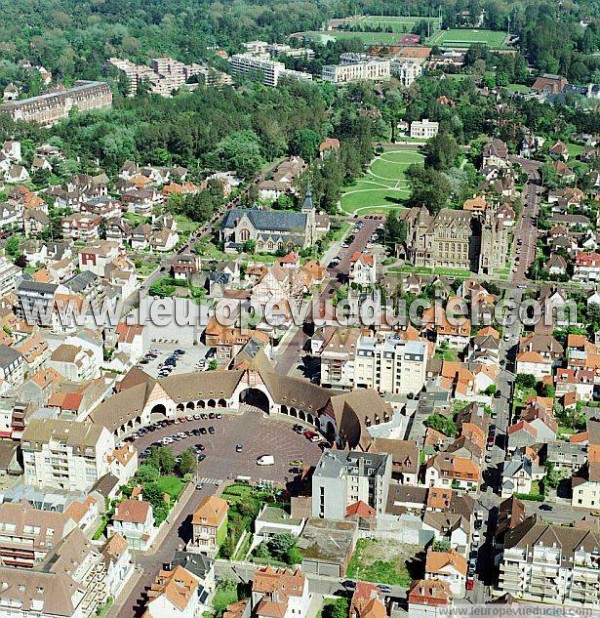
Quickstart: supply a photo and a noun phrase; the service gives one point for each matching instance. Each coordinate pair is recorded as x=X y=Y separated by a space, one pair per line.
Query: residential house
x=175 y=593
x=280 y=593
x=209 y=526
x=429 y=598
x=118 y=563
x=447 y=566
x=74 y=363
x=363 y=270
x=134 y=521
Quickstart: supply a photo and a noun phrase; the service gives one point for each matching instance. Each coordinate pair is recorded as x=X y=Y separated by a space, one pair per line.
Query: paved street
x=292 y=353
x=258 y=435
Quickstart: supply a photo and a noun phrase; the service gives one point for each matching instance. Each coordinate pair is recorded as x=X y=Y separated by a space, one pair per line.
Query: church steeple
x=308 y=204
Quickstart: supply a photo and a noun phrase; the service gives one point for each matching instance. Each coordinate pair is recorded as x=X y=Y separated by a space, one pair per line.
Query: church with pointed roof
x=272 y=230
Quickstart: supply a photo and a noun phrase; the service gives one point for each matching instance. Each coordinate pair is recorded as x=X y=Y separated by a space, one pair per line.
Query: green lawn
x=465 y=37
x=224 y=596
x=384 y=186
x=574 y=149
x=452 y=272
x=185 y=225
x=171 y=485
x=520 y=88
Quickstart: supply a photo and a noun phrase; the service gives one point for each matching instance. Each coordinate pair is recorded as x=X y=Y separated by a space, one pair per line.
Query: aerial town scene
x=299 y=308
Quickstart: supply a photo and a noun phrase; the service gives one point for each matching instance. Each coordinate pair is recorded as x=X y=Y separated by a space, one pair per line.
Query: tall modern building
x=390 y=365
x=342 y=479
x=269 y=71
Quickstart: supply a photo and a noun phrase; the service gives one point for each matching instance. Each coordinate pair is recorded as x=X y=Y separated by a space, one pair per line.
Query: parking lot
x=184 y=363
x=258 y=436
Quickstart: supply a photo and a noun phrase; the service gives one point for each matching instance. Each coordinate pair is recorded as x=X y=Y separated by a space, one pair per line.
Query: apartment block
x=548 y=563
x=27 y=534
x=356 y=67
x=64 y=454
x=342 y=479
x=270 y=71
x=390 y=365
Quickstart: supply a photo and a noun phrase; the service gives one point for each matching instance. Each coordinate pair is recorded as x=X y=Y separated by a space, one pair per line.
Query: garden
x=384 y=185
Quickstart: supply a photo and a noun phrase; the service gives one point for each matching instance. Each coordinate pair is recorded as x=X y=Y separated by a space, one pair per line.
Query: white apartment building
x=552 y=564
x=270 y=70
x=356 y=67
x=405 y=71
x=390 y=365
x=8 y=276
x=337 y=359
x=345 y=478
x=424 y=129
x=65 y=454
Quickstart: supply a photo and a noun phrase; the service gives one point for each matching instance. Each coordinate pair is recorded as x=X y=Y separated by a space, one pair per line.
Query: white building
x=363 y=269
x=405 y=71
x=553 y=564
x=65 y=454
x=356 y=67
x=390 y=365
x=269 y=70
x=424 y=129
x=134 y=521
x=342 y=479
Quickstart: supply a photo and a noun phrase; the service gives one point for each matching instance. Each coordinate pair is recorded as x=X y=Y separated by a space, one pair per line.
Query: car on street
x=312 y=436
x=384 y=588
x=488 y=459
x=201 y=457
x=350 y=584
x=470 y=583
x=239 y=448
x=199 y=486
x=266 y=460
x=545 y=507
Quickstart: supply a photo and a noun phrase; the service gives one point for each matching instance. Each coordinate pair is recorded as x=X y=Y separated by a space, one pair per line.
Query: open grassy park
x=397 y=24
x=465 y=37
x=384 y=186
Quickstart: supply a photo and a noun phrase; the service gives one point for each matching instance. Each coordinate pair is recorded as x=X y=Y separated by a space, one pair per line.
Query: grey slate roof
x=267 y=219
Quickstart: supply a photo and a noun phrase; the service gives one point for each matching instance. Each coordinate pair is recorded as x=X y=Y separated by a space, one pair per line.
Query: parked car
x=239 y=448
x=266 y=460
x=211 y=430
x=470 y=583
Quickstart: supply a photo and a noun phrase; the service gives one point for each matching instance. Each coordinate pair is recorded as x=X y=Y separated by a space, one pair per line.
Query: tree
x=147 y=473
x=552 y=478
x=394 y=230
x=305 y=143
x=12 y=246
x=442 y=152
x=441 y=423
x=241 y=151
x=249 y=246
x=429 y=188
x=187 y=465
x=338 y=609
x=525 y=380
x=281 y=544
x=162 y=458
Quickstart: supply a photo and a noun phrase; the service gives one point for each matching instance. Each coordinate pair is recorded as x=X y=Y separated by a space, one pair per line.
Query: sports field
x=464 y=38
x=383 y=187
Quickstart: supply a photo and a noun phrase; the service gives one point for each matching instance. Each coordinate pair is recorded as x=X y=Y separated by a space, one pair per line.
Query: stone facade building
x=47 y=109
x=457 y=239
